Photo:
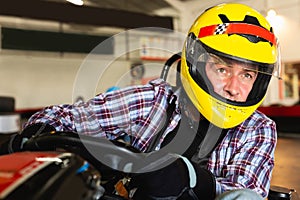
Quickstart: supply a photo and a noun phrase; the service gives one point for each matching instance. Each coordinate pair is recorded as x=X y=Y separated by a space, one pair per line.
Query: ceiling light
x=76 y=2
x=275 y=20
x=272 y=13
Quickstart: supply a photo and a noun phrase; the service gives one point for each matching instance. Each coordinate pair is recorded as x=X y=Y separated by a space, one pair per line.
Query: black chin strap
x=212 y=138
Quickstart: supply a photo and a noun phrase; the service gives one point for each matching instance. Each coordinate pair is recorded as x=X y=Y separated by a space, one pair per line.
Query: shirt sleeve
x=133 y=111
x=111 y=112
x=247 y=157
x=59 y=117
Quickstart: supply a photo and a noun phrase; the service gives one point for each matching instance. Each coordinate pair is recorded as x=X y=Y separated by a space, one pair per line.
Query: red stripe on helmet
x=239 y=28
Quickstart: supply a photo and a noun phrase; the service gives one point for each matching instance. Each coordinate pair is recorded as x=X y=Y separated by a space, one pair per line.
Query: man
x=227 y=62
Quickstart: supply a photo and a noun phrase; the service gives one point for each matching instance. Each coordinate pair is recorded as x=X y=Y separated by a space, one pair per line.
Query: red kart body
x=16 y=169
x=47 y=175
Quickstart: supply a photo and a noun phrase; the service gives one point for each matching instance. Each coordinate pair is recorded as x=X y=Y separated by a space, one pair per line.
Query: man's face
x=231 y=79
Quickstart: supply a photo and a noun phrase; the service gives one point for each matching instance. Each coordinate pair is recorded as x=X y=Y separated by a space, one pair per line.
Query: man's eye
x=221 y=70
x=249 y=76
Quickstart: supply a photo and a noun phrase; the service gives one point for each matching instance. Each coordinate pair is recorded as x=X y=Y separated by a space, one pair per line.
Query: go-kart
x=66 y=165
x=59 y=166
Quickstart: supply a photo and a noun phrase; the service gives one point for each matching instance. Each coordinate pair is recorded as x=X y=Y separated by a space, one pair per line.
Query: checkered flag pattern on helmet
x=221 y=29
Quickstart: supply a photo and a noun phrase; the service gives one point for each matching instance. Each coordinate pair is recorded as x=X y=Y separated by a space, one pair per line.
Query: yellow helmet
x=229 y=31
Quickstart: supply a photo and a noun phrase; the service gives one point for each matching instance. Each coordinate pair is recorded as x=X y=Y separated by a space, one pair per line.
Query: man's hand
x=16 y=141
x=175 y=180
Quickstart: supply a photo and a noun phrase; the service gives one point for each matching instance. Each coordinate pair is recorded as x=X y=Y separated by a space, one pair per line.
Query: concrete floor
x=287 y=166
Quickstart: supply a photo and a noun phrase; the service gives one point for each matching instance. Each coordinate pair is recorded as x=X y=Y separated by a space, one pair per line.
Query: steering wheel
x=116 y=155
x=99 y=151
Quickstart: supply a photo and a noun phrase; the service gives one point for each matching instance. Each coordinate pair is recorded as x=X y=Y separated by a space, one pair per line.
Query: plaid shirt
x=244 y=158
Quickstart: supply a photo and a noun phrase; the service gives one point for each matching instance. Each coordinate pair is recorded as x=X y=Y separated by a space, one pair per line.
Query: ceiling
x=146 y=7
x=127 y=14
x=110 y=13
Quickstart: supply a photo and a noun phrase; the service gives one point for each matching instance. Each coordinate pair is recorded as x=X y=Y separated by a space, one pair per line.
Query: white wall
x=37 y=81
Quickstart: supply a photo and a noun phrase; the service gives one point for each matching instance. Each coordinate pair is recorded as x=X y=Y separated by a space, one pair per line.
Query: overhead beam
x=68 y=13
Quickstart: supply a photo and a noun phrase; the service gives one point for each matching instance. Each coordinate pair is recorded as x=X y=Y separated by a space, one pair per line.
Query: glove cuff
x=202 y=181
x=191 y=172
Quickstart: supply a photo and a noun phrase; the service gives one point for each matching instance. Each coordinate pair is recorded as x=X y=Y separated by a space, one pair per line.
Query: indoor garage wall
x=37 y=81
